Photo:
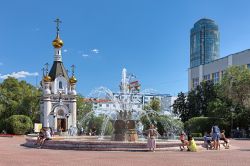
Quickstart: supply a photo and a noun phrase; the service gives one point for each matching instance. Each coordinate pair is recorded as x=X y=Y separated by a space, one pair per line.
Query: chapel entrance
x=61 y=124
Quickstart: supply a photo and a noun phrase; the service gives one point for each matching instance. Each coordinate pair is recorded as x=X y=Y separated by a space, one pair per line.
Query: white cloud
x=1 y=63
x=85 y=55
x=96 y=51
x=65 y=50
x=20 y=74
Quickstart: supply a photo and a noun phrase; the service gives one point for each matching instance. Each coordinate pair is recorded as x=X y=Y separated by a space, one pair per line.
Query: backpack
x=216 y=129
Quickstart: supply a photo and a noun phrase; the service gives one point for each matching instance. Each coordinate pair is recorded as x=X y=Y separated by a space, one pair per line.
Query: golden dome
x=57 y=43
x=47 y=78
x=72 y=80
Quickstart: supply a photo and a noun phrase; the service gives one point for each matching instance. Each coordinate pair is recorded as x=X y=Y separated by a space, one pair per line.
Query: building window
x=107 y=105
x=195 y=82
x=206 y=77
x=248 y=66
x=216 y=77
x=60 y=84
x=100 y=105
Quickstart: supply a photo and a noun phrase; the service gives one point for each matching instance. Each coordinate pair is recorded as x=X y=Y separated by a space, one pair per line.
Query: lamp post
x=232 y=110
x=232 y=107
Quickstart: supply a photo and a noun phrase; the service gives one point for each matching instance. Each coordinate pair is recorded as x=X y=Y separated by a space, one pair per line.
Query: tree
x=155 y=105
x=194 y=103
x=18 y=98
x=180 y=107
x=235 y=85
x=199 y=98
x=83 y=107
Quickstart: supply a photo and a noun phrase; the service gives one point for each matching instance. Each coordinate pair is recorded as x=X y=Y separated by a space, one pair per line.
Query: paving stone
x=12 y=154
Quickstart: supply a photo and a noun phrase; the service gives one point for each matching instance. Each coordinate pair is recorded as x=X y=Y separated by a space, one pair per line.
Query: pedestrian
x=40 y=136
x=191 y=144
x=81 y=131
x=152 y=133
x=215 y=131
x=52 y=133
x=226 y=141
x=47 y=136
x=183 y=141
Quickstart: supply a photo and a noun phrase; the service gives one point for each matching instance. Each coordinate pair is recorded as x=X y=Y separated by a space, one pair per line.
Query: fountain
x=124 y=110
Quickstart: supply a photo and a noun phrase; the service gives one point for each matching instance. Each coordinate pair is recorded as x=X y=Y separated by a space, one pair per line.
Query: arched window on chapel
x=60 y=85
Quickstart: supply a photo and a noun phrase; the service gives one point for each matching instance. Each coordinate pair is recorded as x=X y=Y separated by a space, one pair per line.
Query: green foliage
x=229 y=100
x=196 y=103
x=153 y=108
x=235 y=85
x=196 y=134
x=97 y=123
x=2 y=125
x=204 y=124
x=19 y=124
x=235 y=89
x=163 y=123
x=199 y=98
x=180 y=107
x=83 y=107
x=220 y=108
x=155 y=105
x=18 y=98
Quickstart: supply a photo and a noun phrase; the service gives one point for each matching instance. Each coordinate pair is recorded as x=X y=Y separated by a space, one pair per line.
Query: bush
x=164 y=124
x=19 y=124
x=98 y=123
x=196 y=134
x=204 y=124
x=2 y=125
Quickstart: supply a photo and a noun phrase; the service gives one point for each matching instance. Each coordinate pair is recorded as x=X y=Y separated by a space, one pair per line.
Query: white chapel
x=58 y=100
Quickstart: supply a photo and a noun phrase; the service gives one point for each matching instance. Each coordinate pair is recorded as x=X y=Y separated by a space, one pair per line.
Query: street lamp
x=233 y=107
x=232 y=110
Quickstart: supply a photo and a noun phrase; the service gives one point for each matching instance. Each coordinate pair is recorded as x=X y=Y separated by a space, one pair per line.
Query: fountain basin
x=83 y=143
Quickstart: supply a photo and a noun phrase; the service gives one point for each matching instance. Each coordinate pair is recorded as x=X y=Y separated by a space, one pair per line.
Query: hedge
x=204 y=124
x=18 y=124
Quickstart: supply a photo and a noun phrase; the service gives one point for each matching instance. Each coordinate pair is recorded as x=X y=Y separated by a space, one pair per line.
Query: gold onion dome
x=47 y=78
x=73 y=80
x=57 y=43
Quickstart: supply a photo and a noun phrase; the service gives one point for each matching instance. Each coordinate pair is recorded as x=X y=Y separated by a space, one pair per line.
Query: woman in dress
x=152 y=133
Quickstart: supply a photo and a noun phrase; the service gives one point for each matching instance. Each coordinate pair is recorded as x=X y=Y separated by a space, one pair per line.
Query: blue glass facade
x=204 y=42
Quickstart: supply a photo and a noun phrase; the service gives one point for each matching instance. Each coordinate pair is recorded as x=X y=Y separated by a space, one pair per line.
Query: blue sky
x=148 y=37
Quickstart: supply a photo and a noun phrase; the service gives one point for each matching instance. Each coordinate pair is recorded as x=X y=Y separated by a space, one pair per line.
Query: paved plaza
x=11 y=153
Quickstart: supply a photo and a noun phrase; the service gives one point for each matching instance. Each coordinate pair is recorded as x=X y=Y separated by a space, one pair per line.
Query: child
x=183 y=142
x=207 y=141
x=226 y=141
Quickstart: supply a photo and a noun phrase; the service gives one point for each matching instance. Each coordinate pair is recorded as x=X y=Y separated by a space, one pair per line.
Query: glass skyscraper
x=204 y=42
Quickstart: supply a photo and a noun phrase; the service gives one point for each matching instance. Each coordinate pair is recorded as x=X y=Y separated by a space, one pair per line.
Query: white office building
x=215 y=69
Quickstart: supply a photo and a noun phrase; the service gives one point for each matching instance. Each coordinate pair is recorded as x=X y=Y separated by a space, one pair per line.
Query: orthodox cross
x=43 y=70
x=73 y=70
x=57 y=21
x=46 y=68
